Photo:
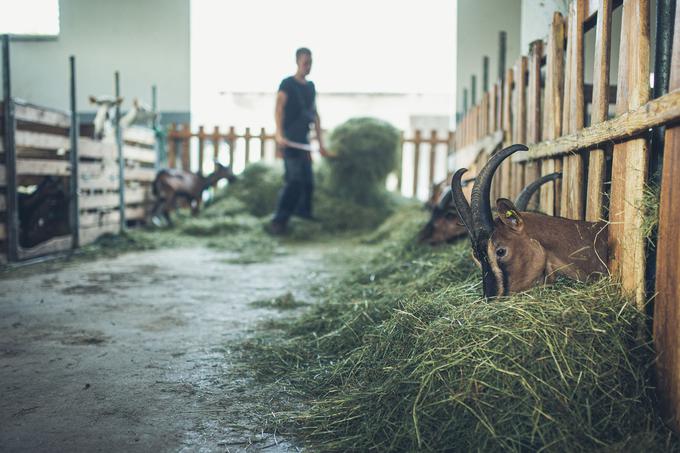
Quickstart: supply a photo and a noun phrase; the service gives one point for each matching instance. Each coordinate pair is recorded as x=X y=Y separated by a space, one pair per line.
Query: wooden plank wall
x=140 y=161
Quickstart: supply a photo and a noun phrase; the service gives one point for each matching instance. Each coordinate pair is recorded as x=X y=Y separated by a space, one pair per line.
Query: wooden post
x=473 y=90
x=493 y=95
x=247 y=137
x=400 y=160
x=631 y=158
x=231 y=140
x=519 y=134
x=216 y=139
x=433 y=154
x=263 y=142
x=201 y=139
x=121 y=157
x=532 y=170
x=186 y=150
x=506 y=167
x=501 y=54
x=416 y=161
x=552 y=111
x=573 y=194
x=74 y=135
x=666 y=307
x=600 y=108
x=465 y=101
x=485 y=74
x=172 y=146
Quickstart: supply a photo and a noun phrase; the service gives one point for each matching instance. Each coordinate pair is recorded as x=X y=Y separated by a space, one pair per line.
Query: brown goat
x=445 y=224
x=518 y=250
x=170 y=184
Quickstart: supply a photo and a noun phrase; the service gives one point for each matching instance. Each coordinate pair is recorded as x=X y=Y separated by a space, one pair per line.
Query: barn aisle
x=132 y=353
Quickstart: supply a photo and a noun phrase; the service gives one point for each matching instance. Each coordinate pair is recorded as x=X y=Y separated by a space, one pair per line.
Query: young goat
x=103 y=120
x=445 y=224
x=519 y=250
x=170 y=184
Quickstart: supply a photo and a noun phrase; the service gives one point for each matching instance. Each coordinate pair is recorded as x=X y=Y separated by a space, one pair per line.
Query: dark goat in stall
x=44 y=213
x=170 y=185
x=445 y=224
x=518 y=250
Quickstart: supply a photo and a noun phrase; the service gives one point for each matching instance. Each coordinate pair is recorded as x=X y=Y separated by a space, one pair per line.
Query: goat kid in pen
x=518 y=250
x=445 y=225
x=171 y=184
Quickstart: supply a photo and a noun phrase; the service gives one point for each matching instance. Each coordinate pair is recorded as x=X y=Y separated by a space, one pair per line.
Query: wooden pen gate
x=544 y=102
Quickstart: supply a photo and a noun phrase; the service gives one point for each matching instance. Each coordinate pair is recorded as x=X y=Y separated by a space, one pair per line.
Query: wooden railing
x=548 y=112
x=261 y=146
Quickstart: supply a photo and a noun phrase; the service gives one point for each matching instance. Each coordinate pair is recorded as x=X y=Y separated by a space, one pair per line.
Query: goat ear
x=509 y=215
x=93 y=100
x=119 y=100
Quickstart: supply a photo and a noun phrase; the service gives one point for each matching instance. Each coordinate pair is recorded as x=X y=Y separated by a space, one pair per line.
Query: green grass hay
x=403 y=355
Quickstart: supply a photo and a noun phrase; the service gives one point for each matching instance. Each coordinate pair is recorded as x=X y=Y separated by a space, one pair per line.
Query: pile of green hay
x=403 y=355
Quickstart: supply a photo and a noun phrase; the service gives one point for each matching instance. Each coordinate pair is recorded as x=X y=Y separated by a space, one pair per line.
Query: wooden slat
x=573 y=183
x=141 y=135
x=43 y=167
x=532 y=170
x=89 y=235
x=505 y=171
x=519 y=133
x=552 y=108
x=666 y=307
x=172 y=146
x=99 y=201
x=53 y=245
x=34 y=114
x=432 y=155
x=136 y=153
x=41 y=140
x=600 y=107
x=136 y=213
x=416 y=162
x=98 y=219
x=98 y=176
x=186 y=155
x=631 y=159
x=140 y=174
x=137 y=195
x=93 y=149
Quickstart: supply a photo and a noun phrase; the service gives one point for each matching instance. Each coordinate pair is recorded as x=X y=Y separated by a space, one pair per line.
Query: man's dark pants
x=296 y=196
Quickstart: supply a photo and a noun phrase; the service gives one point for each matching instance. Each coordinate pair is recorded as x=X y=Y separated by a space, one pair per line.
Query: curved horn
x=460 y=202
x=481 y=191
x=525 y=195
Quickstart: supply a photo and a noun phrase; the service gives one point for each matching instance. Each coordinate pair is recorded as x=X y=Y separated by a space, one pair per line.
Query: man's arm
x=281 y=99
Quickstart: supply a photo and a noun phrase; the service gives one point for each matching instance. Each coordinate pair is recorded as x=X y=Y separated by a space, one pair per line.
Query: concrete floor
x=133 y=353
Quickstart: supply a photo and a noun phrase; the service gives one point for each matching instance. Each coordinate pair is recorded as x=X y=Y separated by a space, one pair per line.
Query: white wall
x=479 y=23
x=536 y=19
x=147 y=41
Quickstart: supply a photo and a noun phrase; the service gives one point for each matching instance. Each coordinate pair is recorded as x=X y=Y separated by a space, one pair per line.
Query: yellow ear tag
x=509 y=214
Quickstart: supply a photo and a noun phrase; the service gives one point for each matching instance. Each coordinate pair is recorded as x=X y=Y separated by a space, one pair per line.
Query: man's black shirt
x=299 y=111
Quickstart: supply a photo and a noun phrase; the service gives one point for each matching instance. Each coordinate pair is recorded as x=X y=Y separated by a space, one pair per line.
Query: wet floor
x=134 y=353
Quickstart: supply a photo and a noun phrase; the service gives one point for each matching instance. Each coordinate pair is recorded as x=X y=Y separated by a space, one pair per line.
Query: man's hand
x=280 y=140
x=324 y=152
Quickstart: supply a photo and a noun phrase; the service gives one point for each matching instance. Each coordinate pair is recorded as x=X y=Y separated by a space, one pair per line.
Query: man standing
x=295 y=111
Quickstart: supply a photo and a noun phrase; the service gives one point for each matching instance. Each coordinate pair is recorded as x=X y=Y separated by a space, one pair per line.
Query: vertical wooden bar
x=630 y=159
x=247 y=137
x=216 y=139
x=532 y=170
x=400 y=168
x=492 y=108
x=416 y=161
x=186 y=149
x=433 y=154
x=600 y=108
x=263 y=142
x=485 y=74
x=519 y=133
x=172 y=146
x=552 y=111
x=506 y=167
x=666 y=307
x=231 y=140
x=573 y=183
x=201 y=144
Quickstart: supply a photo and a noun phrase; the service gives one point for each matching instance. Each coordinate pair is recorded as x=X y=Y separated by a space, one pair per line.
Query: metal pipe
x=502 y=42
x=9 y=123
x=473 y=82
x=121 y=159
x=465 y=101
x=75 y=174
x=485 y=74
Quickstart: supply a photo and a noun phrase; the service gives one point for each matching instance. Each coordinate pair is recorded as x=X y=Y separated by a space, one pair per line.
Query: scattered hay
x=403 y=355
x=284 y=302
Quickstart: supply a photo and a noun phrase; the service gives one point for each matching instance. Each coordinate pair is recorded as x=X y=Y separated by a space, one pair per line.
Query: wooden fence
x=260 y=145
x=544 y=103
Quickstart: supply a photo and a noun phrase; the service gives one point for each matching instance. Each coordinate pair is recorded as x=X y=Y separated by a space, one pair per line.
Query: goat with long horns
x=519 y=250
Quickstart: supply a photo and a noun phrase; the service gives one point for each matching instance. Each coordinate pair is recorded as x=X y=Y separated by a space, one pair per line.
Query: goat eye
x=501 y=252
x=450 y=216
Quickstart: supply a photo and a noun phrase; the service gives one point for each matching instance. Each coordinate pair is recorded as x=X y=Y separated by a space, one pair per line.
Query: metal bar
x=10 y=156
x=75 y=176
x=473 y=90
x=159 y=141
x=502 y=42
x=121 y=159
x=465 y=101
x=485 y=74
